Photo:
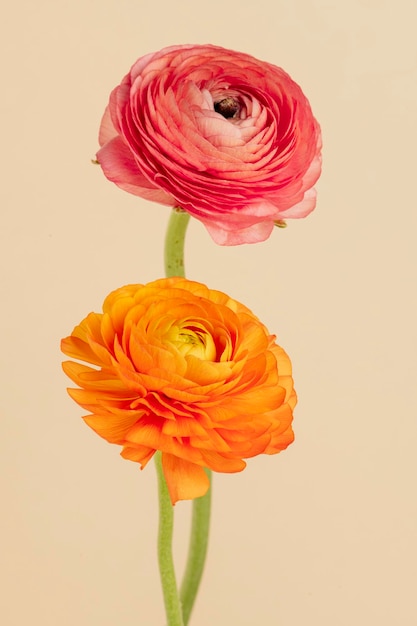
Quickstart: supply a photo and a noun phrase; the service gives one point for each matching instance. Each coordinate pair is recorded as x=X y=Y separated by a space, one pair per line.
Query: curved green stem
x=197 y=552
x=166 y=563
x=174 y=243
x=179 y=606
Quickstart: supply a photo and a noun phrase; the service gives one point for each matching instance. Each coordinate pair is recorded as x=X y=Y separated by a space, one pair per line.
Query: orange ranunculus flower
x=184 y=369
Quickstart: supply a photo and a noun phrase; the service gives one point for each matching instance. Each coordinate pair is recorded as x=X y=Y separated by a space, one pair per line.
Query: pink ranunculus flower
x=228 y=138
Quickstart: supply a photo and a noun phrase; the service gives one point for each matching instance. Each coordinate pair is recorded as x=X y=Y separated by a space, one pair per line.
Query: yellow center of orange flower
x=192 y=338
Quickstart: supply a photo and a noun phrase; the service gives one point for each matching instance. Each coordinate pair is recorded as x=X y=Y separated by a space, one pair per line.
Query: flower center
x=193 y=339
x=228 y=107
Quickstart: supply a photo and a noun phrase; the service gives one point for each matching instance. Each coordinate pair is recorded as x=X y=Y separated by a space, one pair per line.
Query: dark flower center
x=228 y=107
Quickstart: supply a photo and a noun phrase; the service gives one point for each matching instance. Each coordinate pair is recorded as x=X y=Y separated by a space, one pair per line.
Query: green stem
x=166 y=563
x=179 y=611
x=174 y=243
x=196 y=553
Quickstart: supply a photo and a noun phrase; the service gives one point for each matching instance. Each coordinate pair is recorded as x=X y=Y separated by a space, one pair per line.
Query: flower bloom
x=180 y=368
x=228 y=138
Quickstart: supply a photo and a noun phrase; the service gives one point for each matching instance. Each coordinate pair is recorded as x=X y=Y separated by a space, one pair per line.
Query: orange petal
x=114 y=428
x=185 y=480
x=139 y=454
x=89 y=378
x=79 y=349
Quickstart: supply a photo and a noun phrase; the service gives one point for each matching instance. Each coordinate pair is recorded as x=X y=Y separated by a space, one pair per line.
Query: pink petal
x=254 y=234
x=120 y=167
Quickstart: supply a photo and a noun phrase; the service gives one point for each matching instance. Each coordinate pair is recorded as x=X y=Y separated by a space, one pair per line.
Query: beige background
x=324 y=533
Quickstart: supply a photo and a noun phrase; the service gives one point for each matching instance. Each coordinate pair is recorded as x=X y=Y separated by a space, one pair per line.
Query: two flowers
x=172 y=365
